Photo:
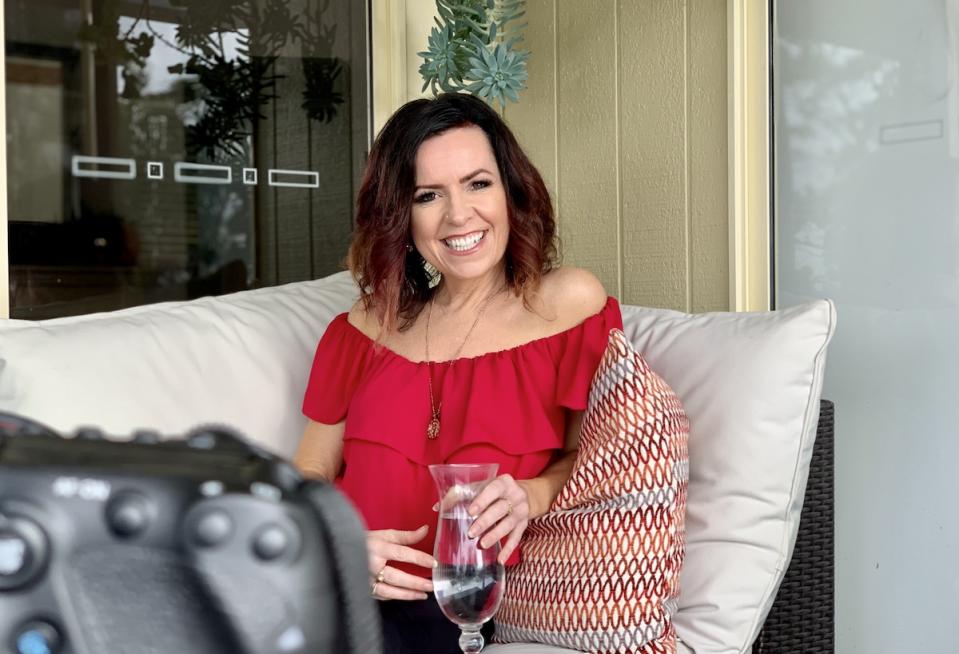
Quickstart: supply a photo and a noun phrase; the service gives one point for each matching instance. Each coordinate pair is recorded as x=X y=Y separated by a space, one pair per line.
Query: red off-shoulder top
x=506 y=407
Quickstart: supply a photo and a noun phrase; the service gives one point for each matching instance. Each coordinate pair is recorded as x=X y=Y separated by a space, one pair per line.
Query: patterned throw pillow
x=600 y=571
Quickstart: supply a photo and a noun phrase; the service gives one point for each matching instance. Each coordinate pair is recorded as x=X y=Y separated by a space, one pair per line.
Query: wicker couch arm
x=801 y=618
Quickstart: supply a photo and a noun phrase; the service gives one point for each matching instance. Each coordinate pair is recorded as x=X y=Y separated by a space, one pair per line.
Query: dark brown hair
x=394 y=284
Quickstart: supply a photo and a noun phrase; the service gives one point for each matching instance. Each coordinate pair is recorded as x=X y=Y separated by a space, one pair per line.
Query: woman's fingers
x=391 y=545
x=503 y=504
x=402 y=537
x=393 y=552
x=385 y=591
x=388 y=582
x=494 y=490
x=397 y=584
x=510 y=544
x=500 y=530
x=404 y=580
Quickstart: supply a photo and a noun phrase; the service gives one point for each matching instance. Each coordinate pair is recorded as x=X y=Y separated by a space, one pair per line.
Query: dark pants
x=419 y=627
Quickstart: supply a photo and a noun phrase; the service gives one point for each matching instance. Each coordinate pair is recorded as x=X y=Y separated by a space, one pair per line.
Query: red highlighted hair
x=394 y=284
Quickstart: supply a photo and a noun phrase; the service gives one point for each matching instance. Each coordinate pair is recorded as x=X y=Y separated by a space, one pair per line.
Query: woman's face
x=459 y=223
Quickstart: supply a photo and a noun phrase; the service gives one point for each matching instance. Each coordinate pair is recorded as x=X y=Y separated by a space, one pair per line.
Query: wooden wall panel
x=533 y=119
x=587 y=180
x=654 y=204
x=625 y=116
x=707 y=157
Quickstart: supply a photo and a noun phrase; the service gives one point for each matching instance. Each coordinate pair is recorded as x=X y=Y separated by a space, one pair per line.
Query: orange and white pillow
x=600 y=571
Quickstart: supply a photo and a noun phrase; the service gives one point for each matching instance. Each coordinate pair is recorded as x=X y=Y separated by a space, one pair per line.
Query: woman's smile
x=466 y=243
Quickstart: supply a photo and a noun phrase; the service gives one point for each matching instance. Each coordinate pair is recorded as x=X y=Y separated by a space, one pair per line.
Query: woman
x=483 y=355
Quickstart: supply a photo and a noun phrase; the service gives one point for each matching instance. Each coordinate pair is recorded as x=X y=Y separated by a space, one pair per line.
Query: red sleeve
x=338 y=366
x=579 y=355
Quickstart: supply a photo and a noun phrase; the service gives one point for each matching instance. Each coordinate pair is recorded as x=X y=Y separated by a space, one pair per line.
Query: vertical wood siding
x=625 y=116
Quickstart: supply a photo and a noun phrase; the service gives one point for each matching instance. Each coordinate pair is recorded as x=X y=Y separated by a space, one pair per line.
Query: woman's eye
x=483 y=183
x=425 y=197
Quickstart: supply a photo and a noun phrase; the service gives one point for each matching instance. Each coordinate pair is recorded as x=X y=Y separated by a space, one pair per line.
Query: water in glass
x=468 y=581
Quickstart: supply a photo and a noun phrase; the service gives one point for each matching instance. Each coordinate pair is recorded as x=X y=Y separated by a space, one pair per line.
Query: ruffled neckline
x=610 y=304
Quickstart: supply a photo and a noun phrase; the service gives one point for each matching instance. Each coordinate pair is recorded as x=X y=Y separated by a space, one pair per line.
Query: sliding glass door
x=168 y=149
x=866 y=99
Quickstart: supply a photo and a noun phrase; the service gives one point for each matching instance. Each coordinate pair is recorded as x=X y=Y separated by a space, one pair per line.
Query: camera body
x=201 y=544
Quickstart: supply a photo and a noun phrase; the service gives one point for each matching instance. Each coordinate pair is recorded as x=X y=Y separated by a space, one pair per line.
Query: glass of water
x=468 y=582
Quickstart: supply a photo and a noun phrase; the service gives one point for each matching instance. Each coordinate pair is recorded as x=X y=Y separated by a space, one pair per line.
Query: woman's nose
x=459 y=210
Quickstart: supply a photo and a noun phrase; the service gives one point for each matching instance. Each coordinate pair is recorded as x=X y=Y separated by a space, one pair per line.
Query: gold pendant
x=433 y=429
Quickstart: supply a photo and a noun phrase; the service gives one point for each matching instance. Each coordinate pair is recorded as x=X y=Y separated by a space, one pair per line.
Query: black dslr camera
x=200 y=545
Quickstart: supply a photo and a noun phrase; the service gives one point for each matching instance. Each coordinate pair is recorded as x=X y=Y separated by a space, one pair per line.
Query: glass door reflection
x=169 y=149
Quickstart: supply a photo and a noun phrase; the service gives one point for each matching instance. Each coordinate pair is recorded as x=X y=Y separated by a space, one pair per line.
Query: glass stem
x=471 y=640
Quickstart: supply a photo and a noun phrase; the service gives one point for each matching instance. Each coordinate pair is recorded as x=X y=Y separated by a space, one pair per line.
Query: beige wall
x=625 y=114
x=626 y=117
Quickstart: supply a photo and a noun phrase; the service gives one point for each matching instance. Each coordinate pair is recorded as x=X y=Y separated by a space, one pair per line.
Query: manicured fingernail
x=436 y=563
x=423 y=595
x=436 y=507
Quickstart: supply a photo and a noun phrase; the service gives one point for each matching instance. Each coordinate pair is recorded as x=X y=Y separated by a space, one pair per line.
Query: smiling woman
x=486 y=360
x=436 y=158
x=461 y=227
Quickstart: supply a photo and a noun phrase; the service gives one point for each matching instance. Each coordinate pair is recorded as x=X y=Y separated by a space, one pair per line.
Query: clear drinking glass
x=468 y=582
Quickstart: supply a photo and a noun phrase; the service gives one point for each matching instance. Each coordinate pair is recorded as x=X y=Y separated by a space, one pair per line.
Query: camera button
x=146 y=437
x=14 y=554
x=213 y=528
x=128 y=514
x=38 y=637
x=89 y=434
x=23 y=551
x=271 y=542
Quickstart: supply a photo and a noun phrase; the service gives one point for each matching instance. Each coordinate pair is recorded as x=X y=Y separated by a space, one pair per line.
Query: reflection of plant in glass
x=129 y=52
x=472 y=49
x=319 y=97
x=320 y=70
x=225 y=90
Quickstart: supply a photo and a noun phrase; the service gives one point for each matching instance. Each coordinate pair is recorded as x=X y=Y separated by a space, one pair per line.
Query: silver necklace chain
x=433 y=427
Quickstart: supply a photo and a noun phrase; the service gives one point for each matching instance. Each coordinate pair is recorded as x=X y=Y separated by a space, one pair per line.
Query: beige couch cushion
x=239 y=359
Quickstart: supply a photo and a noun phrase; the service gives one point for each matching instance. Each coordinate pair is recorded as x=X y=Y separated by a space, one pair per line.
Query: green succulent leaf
x=473 y=48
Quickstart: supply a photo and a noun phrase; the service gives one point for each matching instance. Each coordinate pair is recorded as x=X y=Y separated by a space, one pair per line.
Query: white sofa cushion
x=751 y=384
x=239 y=359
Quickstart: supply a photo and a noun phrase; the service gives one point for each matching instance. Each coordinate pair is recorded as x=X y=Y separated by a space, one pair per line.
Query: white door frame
x=750 y=281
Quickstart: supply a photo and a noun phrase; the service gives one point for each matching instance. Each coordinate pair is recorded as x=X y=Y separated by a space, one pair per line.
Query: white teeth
x=464 y=243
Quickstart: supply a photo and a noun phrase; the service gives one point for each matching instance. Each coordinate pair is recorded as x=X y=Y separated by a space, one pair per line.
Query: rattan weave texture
x=801 y=619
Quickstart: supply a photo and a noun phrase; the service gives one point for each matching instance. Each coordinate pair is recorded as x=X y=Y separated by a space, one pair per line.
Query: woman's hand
x=387 y=582
x=502 y=509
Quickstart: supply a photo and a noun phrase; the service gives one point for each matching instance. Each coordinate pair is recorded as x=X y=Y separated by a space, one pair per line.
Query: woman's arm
x=542 y=490
x=320 y=456
x=320 y=453
x=506 y=505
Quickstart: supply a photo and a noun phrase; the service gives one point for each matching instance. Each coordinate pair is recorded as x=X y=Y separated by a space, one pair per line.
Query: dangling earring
x=434 y=275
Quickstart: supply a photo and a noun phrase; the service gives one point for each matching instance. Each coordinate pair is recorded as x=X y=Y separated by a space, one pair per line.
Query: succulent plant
x=473 y=48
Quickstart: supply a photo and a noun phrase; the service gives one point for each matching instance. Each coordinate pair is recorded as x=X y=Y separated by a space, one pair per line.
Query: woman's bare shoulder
x=572 y=294
x=364 y=320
